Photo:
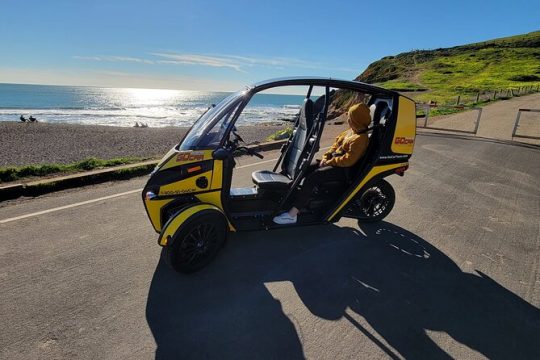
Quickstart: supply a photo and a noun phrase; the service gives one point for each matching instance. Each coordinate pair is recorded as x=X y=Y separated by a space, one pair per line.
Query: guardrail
x=427 y=109
x=516 y=124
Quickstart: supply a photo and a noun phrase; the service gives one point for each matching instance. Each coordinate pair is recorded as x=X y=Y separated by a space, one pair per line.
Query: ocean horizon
x=125 y=107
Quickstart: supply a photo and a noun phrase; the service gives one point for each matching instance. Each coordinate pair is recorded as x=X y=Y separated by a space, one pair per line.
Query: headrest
x=306 y=115
x=379 y=111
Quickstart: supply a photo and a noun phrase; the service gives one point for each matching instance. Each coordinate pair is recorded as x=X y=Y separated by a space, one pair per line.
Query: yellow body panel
x=211 y=194
x=214 y=198
x=174 y=224
x=375 y=171
x=405 y=134
x=186 y=157
x=153 y=207
x=186 y=186
x=217 y=178
x=167 y=157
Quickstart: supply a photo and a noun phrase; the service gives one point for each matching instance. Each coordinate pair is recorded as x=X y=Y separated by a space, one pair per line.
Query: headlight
x=149 y=195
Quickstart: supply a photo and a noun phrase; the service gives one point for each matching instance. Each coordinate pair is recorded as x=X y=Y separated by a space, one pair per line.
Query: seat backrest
x=289 y=165
x=379 y=112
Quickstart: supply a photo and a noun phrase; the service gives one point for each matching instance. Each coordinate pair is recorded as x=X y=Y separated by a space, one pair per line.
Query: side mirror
x=221 y=154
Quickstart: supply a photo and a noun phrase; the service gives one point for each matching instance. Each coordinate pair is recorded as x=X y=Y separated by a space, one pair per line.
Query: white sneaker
x=285 y=219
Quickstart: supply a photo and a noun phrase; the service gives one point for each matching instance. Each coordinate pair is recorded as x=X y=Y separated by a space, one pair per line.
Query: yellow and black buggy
x=189 y=198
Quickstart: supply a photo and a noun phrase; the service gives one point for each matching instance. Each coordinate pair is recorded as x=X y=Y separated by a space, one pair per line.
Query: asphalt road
x=452 y=273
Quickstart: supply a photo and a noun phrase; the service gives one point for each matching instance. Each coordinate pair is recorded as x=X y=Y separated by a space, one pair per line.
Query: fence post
x=427 y=110
x=494 y=94
x=458 y=98
x=477 y=96
x=516 y=123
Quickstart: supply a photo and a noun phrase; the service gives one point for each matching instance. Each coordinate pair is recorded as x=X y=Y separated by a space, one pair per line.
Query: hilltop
x=442 y=74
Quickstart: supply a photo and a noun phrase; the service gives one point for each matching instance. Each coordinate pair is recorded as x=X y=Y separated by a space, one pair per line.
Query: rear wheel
x=374 y=203
x=197 y=242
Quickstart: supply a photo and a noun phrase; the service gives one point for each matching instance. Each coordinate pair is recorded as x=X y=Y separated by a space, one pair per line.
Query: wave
x=153 y=116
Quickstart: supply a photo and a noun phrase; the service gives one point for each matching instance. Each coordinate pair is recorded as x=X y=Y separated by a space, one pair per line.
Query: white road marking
x=68 y=206
x=257 y=163
x=3 y=221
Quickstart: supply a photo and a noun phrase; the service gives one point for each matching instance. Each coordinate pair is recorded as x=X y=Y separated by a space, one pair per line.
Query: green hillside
x=441 y=75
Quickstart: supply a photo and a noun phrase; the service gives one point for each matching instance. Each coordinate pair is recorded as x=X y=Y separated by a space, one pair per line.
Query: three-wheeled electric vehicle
x=189 y=198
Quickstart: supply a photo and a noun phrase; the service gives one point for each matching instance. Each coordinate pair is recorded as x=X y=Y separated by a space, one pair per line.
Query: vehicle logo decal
x=404 y=141
x=190 y=156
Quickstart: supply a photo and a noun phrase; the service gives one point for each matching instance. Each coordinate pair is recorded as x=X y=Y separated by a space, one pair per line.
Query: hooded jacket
x=351 y=144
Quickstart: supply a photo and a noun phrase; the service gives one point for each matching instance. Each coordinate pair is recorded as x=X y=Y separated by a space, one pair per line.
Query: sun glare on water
x=153 y=96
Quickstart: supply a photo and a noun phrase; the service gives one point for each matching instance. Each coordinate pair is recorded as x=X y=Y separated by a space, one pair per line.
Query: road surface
x=452 y=272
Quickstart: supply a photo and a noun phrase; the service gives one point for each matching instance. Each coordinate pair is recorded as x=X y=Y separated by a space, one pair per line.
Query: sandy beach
x=45 y=143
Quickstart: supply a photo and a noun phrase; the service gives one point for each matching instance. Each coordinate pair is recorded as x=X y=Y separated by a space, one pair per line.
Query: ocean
x=125 y=107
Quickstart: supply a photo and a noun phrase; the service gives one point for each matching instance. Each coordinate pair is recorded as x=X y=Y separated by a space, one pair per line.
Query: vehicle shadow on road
x=400 y=284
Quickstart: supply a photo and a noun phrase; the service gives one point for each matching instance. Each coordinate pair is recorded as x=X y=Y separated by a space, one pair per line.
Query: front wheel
x=374 y=203
x=197 y=242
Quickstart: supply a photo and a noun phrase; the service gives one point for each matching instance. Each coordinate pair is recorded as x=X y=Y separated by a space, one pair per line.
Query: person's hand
x=323 y=163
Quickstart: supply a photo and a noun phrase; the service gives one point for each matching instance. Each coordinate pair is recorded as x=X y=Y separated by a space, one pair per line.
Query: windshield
x=208 y=131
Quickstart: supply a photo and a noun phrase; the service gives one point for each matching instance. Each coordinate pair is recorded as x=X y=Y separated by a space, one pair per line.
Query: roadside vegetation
x=480 y=72
x=280 y=134
x=13 y=173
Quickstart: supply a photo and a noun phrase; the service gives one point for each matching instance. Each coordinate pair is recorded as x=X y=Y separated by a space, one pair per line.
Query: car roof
x=320 y=81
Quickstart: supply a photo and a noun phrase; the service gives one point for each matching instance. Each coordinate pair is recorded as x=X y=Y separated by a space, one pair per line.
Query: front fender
x=177 y=220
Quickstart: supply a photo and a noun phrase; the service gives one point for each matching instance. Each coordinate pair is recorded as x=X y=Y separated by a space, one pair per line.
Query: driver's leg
x=318 y=176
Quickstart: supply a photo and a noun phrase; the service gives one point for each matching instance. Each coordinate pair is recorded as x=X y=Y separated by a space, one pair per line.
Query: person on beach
x=348 y=148
x=32 y=119
x=22 y=118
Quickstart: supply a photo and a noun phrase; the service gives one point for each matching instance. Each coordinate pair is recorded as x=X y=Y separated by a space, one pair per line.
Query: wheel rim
x=373 y=202
x=198 y=244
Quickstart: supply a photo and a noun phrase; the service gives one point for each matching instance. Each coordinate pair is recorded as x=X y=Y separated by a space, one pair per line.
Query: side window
x=275 y=112
x=274 y=106
x=342 y=100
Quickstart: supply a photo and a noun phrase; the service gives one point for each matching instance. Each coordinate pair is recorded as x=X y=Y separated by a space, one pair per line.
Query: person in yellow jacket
x=348 y=148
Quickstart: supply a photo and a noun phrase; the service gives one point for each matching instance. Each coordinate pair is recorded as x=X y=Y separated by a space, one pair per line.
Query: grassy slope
x=442 y=74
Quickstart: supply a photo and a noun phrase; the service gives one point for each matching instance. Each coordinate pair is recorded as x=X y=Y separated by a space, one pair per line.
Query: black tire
x=197 y=242
x=374 y=203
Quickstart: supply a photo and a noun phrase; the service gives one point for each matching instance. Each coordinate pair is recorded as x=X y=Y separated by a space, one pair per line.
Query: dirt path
x=497 y=119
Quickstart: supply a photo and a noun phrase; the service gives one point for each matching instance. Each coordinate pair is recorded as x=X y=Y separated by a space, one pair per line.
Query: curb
x=123 y=172
x=270 y=145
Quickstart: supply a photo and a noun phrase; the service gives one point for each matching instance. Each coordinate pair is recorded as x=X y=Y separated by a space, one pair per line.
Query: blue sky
x=222 y=45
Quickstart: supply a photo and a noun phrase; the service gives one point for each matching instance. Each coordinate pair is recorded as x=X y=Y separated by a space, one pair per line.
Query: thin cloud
x=114 y=59
x=235 y=62
x=193 y=59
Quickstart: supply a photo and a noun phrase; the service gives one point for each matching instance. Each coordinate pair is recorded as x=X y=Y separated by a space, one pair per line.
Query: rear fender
x=179 y=219
x=378 y=171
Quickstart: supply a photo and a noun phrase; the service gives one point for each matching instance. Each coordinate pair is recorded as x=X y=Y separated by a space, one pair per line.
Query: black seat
x=266 y=179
